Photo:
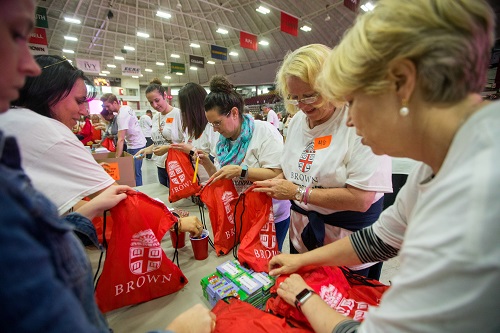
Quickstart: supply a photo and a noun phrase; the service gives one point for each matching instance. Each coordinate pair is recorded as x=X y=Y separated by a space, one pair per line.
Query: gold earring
x=404 y=111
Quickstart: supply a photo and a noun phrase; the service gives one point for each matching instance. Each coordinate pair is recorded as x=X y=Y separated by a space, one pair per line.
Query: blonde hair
x=304 y=63
x=448 y=40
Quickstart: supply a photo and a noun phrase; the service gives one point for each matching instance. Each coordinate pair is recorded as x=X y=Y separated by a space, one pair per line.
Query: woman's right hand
x=284 y=264
x=141 y=154
x=184 y=147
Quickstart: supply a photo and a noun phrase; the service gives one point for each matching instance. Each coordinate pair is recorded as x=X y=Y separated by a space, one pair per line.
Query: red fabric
x=248 y=41
x=109 y=144
x=220 y=198
x=258 y=242
x=136 y=267
x=344 y=294
x=352 y=5
x=86 y=132
x=98 y=223
x=96 y=134
x=289 y=24
x=180 y=172
x=241 y=317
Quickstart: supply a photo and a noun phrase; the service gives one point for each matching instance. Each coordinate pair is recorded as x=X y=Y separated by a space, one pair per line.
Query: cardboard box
x=121 y=169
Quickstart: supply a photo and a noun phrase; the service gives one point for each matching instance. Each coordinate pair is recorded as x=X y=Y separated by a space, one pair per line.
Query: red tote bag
x=109 y=144
x=136 y=268
x=180 y=172
x=220 y=198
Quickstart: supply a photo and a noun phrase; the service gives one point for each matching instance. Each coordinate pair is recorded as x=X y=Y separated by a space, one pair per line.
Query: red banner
x=352 y=4
x=248 y=41
x=289 y=24
x=38 y=36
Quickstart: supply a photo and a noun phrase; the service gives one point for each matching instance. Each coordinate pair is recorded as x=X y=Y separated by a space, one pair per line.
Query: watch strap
x=302 y=297
x=244 y=171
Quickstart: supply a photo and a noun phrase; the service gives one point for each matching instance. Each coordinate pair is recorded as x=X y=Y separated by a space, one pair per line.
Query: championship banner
x=41 y=17
x=248 y=41
x=195 y=61
x=131 y=70
x=352 y=5
x=218 y=52
x=176 y=67
x=88 y=66
x=289 y=24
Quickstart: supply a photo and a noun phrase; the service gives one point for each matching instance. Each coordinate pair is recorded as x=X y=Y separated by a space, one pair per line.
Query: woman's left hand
x=280 y=189
x=161 y=150
x=226 y=172
x=184 y=147
x=290 y=288
x=192 y=225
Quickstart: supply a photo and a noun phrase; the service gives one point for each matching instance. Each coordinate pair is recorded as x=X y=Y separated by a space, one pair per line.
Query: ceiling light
x=222 y=31
x=264 y=42
x=177 y=73
x=71 y=38
x=160 y=63
x=105 y=72
x=111 y=66
x=168 y=77
x=163 y=14
x=367 y=7
x=72 y=20
x=232 y=53
x=211 y=62
x=327 y=18
x=129 y=48
x=193 y=68
x=305 y=28
x=148 y=70
x=135 y=76
x=195 y=45
x=68 y=51
x=173 y=55
x=263 y=10
x=143 y=34
x=119 y=58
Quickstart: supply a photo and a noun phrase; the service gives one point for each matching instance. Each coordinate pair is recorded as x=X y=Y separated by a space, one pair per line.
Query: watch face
x=302 y=294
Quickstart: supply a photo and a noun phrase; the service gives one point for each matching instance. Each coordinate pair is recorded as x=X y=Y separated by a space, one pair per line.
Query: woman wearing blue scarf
x=247 y=150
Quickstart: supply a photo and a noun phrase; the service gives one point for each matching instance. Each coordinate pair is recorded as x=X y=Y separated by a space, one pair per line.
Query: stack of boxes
x=233 y=280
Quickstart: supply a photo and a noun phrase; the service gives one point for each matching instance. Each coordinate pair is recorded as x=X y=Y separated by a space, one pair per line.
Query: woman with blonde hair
x=412 y=72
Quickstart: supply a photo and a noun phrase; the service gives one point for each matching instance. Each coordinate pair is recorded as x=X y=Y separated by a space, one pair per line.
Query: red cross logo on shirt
x=307 y=157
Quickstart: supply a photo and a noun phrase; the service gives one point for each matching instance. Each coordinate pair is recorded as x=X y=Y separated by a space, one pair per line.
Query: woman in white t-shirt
x=336 y=183
x=161 y=131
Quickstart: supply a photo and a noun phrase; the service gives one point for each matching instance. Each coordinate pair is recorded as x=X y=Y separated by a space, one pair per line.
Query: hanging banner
x=88 y=66
x=352 y=5
x=38 y=36
x=289 y=24
x=38 y=49
x=248 y=41
x=195 y=61
x=218 y=52
x=131 y=70
x=176 y=67
x=41 y=18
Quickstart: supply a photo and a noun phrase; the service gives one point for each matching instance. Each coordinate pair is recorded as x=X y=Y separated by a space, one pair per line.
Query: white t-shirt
x=264 y=151
x=127 y=120
x=166 y=122
x=403 y=165
x=145 y=122
x=448 y=230
x=330 y=155
x=55 y=160
x=272 y=118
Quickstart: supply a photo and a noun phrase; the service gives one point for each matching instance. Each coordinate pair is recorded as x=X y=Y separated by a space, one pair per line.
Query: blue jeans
x=163 y=177
x=137 y=165
x=281 y=230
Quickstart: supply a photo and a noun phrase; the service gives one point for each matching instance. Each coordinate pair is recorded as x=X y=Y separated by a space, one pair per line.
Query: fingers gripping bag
x=136 y=268
x=181 y=173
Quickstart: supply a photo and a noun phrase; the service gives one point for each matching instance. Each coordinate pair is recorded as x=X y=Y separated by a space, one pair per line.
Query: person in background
x=336 y=184
x=270 y=115
x=46 y=262
x=48 y=107
x=258 y=116
x=421 y=100
x=247 y=150
x=146 y=124
x=246 y=110
x=98 y=127
x=111 y=129
x=128 y=131
x=86 y=131
x=161 y=132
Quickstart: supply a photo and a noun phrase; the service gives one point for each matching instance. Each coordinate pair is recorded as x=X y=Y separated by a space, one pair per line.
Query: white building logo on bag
x=175 y=173
x=145 y=253
x=307 y=157
x=268 y=233
x=227 y=197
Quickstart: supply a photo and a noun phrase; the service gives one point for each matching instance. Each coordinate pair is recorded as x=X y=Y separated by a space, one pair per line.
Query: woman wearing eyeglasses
x=247 y=150
x=336 y=184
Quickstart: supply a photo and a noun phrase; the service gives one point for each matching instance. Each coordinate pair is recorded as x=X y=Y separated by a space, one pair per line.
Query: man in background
x=272 y=117
x=146 y=124
x=129 y=131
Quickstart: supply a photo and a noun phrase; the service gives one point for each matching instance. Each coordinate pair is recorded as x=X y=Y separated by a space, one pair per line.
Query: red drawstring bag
x=136 y=267
x=220 y=198
x=234 y=315
x=255 y=218
x=180 y=172
x=98 y=223
x=109 y=144
x=349 y=294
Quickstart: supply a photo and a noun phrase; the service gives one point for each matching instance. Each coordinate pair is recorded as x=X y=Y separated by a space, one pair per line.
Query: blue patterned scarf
x=234 y=152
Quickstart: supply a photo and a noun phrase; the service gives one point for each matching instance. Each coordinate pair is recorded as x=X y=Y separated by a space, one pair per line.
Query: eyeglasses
x=216 y=124
x=58 y=62
x=305 y=100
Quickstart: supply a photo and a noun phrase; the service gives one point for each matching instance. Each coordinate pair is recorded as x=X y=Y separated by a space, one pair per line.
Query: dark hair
x=191 y=102
x=58 y=77
x=109 y=97
x=223 y=96
x=155 y=84
x=149 y=111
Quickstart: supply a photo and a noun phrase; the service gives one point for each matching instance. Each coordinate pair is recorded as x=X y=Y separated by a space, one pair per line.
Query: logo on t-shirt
x=307 y=157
